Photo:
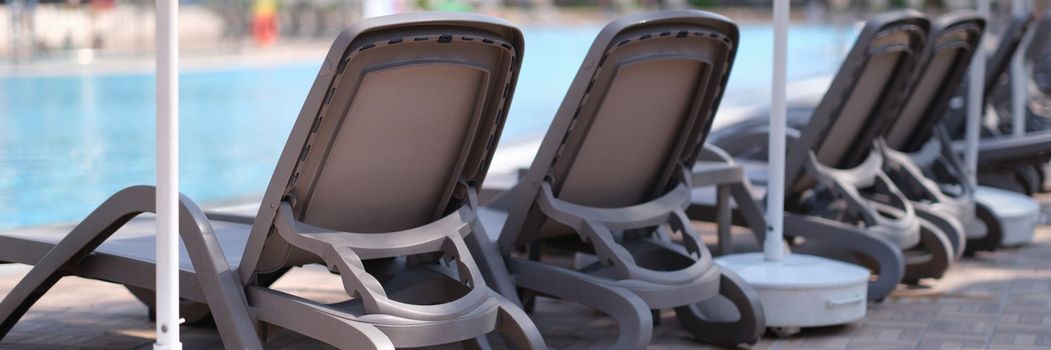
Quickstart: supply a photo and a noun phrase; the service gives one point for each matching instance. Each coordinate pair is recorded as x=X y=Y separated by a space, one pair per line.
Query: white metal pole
x=167 y=304
x=375 y=8
x=975 y=103
x=773 y=248
x=1019 y=84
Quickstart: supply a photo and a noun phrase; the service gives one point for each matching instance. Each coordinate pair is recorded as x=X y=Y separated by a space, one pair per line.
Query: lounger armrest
x=344 y=252
x=417 y=240
x=651 y=213
x=596 y=225
x=846 y=182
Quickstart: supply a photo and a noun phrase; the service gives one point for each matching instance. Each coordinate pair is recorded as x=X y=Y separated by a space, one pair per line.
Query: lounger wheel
x=1005 y=180
x=1029 y=179
x=931 y=258
x=993 y=232
x=194 y=313
x=952 y=228
x=879 y=255
x=1041 y=177
x=734 y=317
x=528 y=299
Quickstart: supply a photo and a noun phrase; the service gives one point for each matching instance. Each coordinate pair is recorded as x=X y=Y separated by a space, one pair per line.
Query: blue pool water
x=67 y=143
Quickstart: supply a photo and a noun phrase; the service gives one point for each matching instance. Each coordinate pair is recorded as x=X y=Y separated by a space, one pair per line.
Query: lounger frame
x=322 y=202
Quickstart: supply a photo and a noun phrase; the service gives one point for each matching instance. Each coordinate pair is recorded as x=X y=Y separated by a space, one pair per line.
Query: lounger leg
x=935 y=257
x=479 y=343
x=993 y=232
x=514 y=325
x=221 y=287
x=951 y=227
x=888 y=259
x=491 y=264
x=714 y=321
x=80 y=242
x=724 y=221
x=518 y=328
x=748 y=212
x=312 y=320
x=632 y=314
x=753 y=214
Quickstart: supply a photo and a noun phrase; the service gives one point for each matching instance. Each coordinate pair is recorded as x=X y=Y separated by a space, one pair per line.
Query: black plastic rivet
x=420 y=38
x=665 y=33
x=487 y=41
x=366 y=47
x=445 y=39
x=395 y=41
x=328 y=96
x=317 y=125
x=644 y=37
x=681 y=34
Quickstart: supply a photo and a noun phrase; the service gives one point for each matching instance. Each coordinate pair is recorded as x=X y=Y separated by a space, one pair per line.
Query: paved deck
x=991 y=301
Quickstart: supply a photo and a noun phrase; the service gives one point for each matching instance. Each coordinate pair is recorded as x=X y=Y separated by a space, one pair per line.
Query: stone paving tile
x=953 y=342
x=990 y=301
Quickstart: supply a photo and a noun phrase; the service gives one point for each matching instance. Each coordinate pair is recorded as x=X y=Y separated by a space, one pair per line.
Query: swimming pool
x=67 y=143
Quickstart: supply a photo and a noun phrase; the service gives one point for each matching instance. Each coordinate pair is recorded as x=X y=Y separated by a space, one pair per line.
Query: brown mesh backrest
x=394 y=140
x=635 y=131
x=846 y=122
x=858 y=112
x=1000 y=60
x=640 y=107
x=944 y=64
x=401 y=121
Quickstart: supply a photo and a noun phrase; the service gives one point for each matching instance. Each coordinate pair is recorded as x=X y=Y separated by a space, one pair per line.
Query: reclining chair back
x=632 y=121
x=944 y=64
x=845 y=124
x=397 y=131
x=1000 y=61
x=995 y=68
x=1039 y=53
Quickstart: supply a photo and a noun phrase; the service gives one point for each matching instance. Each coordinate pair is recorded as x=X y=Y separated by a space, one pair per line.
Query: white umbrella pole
x=167 y=304
x=975 y=103
x=773 y=248
x=375 y=8
x=1019 y=93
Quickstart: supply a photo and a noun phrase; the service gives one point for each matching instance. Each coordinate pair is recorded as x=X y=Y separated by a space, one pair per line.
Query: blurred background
x=33 y=29
x=77 y=86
